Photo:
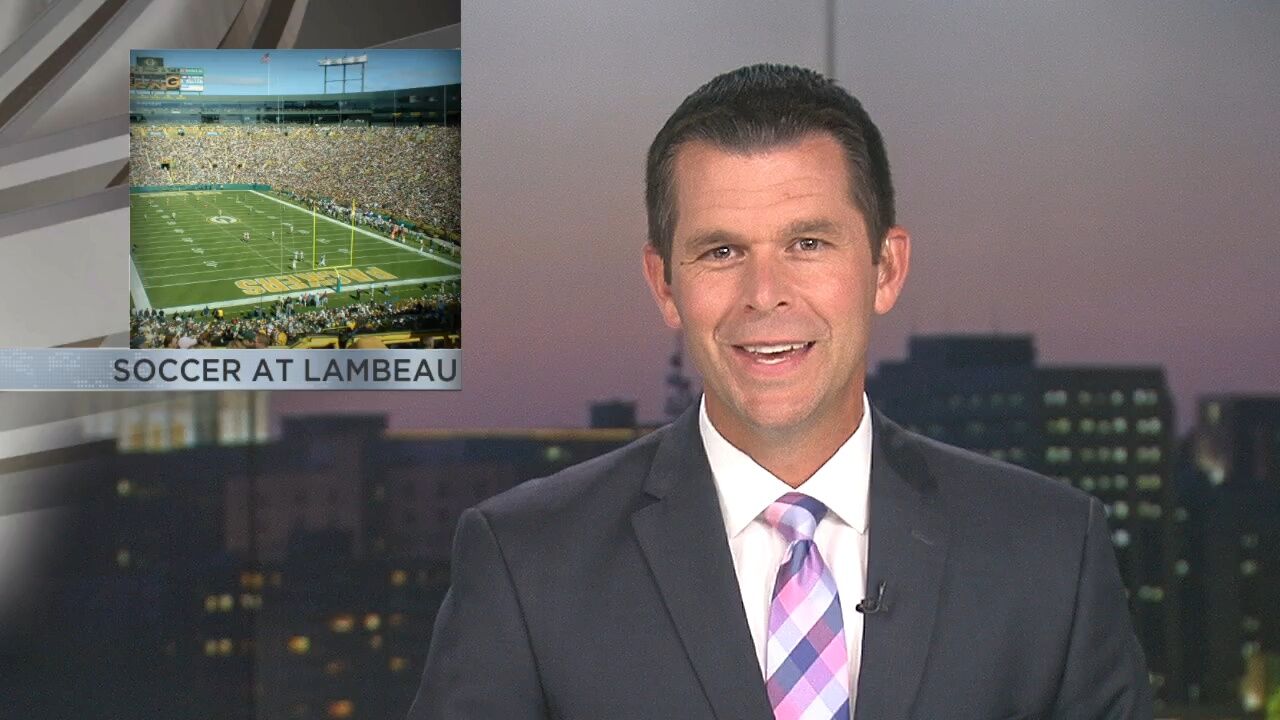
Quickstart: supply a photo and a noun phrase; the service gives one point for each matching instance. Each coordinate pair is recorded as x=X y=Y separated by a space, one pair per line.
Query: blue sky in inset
x=295 y=72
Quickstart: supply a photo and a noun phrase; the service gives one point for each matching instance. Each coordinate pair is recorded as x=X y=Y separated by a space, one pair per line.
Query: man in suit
x=782 y=550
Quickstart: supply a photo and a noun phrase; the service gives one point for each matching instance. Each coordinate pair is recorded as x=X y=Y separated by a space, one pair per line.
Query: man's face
x=773 y=285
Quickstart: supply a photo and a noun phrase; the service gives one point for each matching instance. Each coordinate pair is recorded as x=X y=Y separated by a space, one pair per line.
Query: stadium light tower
x=344 y=62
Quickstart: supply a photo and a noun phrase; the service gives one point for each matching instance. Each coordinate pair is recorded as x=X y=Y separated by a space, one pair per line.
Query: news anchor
x=782 y=550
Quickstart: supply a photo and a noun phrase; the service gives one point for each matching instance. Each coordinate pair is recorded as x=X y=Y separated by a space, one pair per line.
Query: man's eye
x=809 y=244
x=724 y=252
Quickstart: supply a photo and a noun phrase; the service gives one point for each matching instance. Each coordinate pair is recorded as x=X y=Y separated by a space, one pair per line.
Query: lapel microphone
x=871 y=606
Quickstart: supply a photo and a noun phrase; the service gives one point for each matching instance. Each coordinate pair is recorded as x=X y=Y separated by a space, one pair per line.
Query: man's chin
x=774 y=417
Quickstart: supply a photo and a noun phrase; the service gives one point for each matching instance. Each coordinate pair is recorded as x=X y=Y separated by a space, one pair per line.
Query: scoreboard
x=150 y=76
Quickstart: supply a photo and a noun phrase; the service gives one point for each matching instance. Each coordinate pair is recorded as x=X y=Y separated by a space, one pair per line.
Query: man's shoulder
x=609 y=484
x=978 y=487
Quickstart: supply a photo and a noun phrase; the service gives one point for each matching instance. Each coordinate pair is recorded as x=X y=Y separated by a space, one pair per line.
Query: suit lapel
x=683 y=539
x=907 y=552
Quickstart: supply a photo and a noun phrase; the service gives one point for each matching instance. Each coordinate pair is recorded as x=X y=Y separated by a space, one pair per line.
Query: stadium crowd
x=413 y=173
x=291 y=319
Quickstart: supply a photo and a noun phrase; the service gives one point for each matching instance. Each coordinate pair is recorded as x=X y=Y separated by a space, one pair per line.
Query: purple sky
x=1105 y=178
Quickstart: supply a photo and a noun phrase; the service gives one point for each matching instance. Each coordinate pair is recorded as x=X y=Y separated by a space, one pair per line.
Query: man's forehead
x=801 y=185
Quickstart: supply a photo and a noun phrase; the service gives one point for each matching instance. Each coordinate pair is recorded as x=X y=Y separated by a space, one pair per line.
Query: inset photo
x=295 y=198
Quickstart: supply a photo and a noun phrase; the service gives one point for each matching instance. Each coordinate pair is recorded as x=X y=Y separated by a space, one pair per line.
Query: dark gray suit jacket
x=608 y=591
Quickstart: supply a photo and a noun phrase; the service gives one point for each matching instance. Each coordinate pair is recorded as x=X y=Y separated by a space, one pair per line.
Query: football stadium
x=328 y=219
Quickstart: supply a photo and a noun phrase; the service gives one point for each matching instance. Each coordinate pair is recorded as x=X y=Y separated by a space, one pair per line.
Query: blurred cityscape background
x=210 y=567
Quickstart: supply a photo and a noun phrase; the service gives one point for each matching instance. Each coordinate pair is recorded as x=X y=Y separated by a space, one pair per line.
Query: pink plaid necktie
x=806 y=658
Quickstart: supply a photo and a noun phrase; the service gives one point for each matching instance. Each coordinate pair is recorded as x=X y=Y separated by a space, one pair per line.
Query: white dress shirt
x=745 y=489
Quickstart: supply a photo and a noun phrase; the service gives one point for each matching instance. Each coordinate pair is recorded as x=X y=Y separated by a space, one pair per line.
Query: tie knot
x=795 y=515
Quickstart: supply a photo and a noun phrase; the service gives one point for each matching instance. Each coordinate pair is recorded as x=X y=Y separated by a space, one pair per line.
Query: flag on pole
x=266 y=58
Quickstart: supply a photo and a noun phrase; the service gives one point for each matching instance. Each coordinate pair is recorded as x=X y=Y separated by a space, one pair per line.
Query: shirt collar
x=745 y=488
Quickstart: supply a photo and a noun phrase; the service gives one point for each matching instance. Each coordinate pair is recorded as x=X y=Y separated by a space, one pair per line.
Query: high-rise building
x=1232 y=478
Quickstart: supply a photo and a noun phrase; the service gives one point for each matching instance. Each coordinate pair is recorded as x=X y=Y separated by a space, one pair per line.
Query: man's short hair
x=759 y=107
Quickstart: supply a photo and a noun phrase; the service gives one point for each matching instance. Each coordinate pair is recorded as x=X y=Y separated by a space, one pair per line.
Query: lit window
x=299 y=644
x=1151 y=593
x=1121 y=509
x=124 y=488
x=1087 y=484
x=1104 y=482
x=553 y=453
x=1117 y=398
x=342 y=623
x=1148 y=454
x=372 y=622
x=123 y=557
x=1120 y=425
x=1181 y=568
x=1180 y=515
x=396 y=664
x=1120 y=538
x=1122 y=481
x=340 y=709
x=1149 y=481
x=1088 y=425
x=1120 y=454
x=1250 y=649
x=1249 y=567
x=1150 y=511
x=224 y=646
x=1214 y=412
x=226 y=602
x=398 y=577
x=211 y=604
x=1055 y=398
x=210 y=647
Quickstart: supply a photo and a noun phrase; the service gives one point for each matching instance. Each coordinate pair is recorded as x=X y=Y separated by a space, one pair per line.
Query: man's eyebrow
x=812 y=225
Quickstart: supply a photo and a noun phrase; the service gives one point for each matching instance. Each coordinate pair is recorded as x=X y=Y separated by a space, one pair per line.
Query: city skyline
x=1100 y=177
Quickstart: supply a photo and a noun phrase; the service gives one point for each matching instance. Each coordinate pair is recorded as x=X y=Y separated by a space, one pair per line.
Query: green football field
x=188 y=252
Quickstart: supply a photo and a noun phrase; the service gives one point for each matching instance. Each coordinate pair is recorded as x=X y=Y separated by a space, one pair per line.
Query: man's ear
x=891 y=271
x=655 y=275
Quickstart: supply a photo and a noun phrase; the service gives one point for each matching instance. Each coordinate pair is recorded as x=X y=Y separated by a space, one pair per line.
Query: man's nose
x=766 y=284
